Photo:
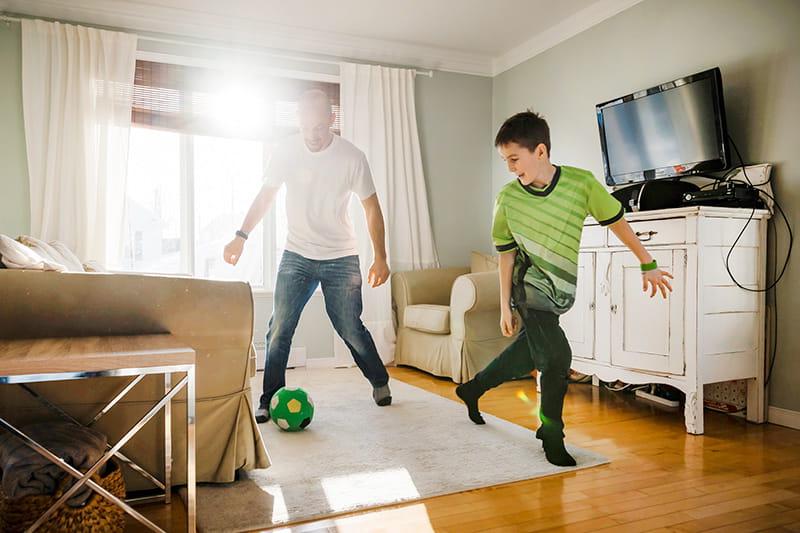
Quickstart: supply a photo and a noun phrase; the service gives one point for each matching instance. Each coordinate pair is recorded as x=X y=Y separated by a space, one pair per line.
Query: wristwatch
x=240 y=233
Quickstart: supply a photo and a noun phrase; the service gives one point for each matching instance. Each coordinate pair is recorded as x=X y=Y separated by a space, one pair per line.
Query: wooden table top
x=91 y=354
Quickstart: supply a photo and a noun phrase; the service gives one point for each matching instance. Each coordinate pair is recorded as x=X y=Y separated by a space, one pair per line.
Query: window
x=198 y=147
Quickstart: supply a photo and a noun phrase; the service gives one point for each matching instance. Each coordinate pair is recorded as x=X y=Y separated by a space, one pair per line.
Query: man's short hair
x=527 y=129
x=315 y=97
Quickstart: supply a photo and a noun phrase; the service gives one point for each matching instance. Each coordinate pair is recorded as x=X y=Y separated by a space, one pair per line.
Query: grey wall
x=757 y=46
x=454 y=116
x=14 y=197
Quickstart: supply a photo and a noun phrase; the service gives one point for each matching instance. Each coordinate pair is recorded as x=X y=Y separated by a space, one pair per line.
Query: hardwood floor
x=737 y=477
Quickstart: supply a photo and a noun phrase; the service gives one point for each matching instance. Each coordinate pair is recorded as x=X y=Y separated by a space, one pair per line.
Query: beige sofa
x=448 y=319
x=215 y=318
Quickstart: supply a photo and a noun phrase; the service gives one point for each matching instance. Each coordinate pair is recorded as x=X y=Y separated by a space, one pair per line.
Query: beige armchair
x=448 y=319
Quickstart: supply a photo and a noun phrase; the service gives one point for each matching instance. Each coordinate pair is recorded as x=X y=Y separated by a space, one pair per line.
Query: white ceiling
x=482 y=37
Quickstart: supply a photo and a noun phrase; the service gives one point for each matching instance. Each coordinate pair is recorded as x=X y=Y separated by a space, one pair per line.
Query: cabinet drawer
x=593 y=237
x=671 y=231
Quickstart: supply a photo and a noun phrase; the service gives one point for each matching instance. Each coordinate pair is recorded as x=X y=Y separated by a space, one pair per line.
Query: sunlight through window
x=279 y=512
x=385 y=486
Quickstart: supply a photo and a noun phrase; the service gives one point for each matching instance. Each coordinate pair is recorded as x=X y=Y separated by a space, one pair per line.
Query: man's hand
x=378 y=273
x=233 y=251
x=508 y=321
x=656 y=281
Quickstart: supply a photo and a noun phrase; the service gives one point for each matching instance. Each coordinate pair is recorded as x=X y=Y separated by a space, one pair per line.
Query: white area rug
x=356 y=455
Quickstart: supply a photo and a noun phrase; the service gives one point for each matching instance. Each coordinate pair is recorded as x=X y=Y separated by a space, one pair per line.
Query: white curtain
x=77 y=86
x=379 y=116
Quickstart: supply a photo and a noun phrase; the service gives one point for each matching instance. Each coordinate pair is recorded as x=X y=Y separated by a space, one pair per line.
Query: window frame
x=269 y=233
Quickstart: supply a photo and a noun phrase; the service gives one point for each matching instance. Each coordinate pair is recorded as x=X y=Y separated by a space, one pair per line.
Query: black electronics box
x=654 y=194
x=728 y=194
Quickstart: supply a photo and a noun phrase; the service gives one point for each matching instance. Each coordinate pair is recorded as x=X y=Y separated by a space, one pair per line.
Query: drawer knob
x=646 y=235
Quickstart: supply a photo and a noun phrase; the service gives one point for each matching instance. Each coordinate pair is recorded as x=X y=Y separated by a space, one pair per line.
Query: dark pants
x=542 y=345
x=298 y=278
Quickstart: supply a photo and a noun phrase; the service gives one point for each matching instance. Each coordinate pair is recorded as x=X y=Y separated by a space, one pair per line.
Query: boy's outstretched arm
x=655 y=279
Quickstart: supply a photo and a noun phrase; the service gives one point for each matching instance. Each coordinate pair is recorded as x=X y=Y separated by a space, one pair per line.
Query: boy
x=537 y=227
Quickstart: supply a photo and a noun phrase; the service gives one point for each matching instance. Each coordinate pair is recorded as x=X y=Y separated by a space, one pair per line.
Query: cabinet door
x=578 y=322
x=647 y=333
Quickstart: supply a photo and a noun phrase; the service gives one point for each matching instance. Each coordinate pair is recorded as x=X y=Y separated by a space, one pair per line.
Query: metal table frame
x=188 y=381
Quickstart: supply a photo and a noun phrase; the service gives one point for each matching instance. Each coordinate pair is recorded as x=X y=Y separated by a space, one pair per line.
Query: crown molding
x=134 y=16
x=146 y=19
x=569 y=27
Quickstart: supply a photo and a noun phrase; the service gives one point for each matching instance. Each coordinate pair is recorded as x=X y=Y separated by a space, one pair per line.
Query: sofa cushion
x=480 y=262
x=428 y=318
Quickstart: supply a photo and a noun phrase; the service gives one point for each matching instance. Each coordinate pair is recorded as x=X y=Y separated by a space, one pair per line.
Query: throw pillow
x=17 y=255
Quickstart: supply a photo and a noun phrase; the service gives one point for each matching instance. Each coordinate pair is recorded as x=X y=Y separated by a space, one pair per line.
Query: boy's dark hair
x=527 y=129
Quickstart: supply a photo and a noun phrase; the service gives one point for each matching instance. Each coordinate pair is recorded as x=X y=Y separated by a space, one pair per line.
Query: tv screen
x=674 y=129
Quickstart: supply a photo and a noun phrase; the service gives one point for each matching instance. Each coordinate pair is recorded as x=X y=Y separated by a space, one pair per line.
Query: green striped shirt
x=546 y=225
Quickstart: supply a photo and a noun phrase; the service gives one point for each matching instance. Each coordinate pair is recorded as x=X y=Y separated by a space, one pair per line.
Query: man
x=321 y=171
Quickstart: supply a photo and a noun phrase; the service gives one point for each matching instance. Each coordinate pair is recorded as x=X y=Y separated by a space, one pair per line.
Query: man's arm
x=379 y=271
x=508 y=322
x=656 y=279
x=259 y=207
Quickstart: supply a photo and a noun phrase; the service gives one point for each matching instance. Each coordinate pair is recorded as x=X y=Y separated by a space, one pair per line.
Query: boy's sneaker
x=556 y=453
x=262 y=415
x=382 y=395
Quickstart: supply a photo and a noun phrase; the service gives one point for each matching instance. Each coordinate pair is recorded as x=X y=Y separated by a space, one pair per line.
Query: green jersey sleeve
x=601 y=205
x=501 y=233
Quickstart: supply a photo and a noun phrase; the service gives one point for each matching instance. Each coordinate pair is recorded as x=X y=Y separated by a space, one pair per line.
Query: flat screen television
x=674 y=129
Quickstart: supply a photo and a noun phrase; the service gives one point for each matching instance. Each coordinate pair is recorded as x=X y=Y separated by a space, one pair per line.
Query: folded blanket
x=26 y=472
x=53 y=252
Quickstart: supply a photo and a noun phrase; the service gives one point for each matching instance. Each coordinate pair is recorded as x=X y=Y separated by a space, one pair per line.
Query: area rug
x=356 y=455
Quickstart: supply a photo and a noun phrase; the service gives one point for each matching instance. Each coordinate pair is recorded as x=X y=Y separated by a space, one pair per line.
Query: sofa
x=215 y=318
x=448 y=319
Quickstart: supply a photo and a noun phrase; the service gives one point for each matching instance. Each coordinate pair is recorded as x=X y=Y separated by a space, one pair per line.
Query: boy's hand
x=378 y=273
x=233 y=251
x=655 y=281
x=508 y=321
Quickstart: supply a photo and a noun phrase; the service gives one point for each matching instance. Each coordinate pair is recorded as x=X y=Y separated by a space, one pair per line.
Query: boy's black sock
x=556 y=453
x=469 y=395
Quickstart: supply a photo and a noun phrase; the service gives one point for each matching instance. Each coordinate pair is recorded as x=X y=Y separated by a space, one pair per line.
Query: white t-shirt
x=318 y=190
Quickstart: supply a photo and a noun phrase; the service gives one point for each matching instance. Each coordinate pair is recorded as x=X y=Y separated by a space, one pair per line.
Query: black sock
x=469 y=396
x=556 y=453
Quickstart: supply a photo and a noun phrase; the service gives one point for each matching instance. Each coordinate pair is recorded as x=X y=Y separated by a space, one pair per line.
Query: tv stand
x=708 y=330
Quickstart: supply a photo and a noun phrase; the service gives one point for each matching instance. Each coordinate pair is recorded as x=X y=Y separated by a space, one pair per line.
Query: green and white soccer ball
x=291 y=408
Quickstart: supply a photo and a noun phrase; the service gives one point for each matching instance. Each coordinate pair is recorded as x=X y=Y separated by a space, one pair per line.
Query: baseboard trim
x=784 y=417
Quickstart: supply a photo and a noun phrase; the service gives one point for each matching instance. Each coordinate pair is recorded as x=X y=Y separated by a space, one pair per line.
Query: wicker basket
x=98 y=514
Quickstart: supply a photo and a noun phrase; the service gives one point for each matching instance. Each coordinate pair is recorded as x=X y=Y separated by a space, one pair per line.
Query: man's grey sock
x=382 y=395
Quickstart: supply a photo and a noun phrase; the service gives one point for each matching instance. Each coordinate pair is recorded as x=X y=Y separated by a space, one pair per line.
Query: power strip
x=656 y=399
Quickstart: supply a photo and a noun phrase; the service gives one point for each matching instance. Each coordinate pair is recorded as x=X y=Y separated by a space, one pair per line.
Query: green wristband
x=647 y=267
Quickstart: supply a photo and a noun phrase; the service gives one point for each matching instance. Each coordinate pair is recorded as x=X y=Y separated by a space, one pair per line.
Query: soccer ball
x=291 y=408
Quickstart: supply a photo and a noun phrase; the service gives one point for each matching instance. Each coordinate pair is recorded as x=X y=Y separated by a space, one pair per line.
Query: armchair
x=448 y=320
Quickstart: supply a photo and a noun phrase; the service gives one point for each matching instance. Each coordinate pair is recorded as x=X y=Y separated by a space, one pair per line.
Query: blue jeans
x=298 y=278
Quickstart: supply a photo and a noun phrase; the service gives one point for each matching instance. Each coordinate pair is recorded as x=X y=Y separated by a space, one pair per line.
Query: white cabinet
x=578 y=324
x=647 y=333
x=707 y=331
